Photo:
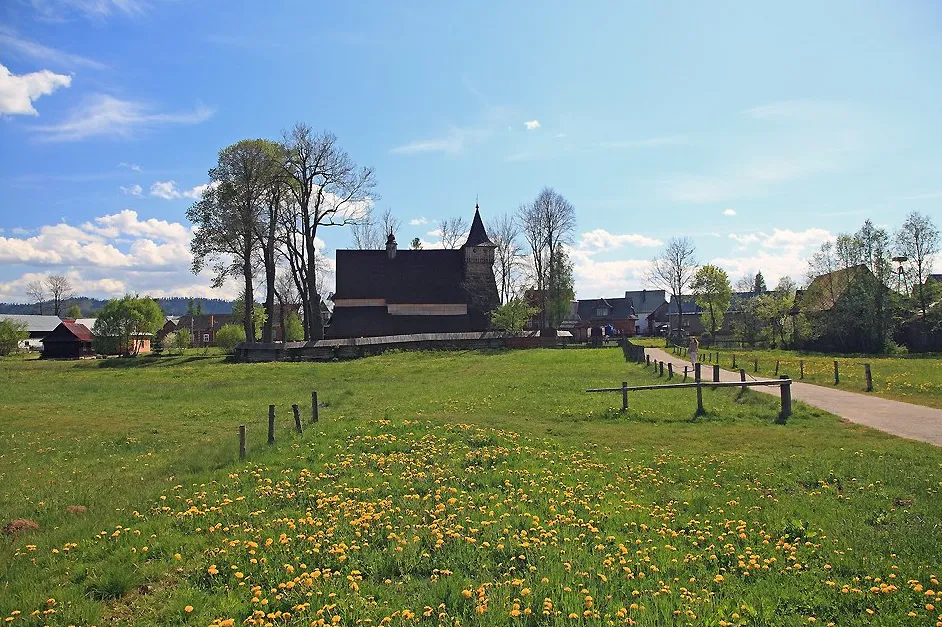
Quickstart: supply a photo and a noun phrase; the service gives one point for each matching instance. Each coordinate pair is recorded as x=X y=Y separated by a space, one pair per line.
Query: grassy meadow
x=916 y=379
x=452 y=488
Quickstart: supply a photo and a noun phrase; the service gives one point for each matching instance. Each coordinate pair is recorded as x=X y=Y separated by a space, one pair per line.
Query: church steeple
x=477 y=236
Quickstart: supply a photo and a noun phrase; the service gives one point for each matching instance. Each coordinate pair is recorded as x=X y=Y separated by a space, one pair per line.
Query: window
x=602 y=312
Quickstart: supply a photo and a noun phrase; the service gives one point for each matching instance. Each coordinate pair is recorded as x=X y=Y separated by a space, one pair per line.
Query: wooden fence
x=784 y=384
x=298 y=423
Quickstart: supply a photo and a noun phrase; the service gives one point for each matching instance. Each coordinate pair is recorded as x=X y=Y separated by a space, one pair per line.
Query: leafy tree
x=294 y=329
x=122 y=322
x=512 y=316
x=182 y=340
x=748 y=325
x=774 y=309
x=228 y=214
x=230 y=335
x=712 y=291
x=74 y=311
x=258 y=314
x=758 y=284
x=562 y=288
x=11 y=334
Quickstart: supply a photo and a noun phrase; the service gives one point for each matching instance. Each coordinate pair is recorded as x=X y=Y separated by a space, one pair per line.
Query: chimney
x=391 y=246
x=211 y=320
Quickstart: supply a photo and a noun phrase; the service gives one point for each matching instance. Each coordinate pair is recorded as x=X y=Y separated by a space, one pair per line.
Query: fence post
x=734 y=361
x=716 y=373
x=648 y=358
x=755 y=365
x=241 y=441
x=869 y=377
x=837 y=374
x=624 y=397
x=801 y=368
x=685 y=372
x=786 y=389
x=661 y=373
x=696 y=370
x=314 y=416
x=271 y=424
x=670 y=370
x=742 y=377
x=297 y=417
x=776 y=367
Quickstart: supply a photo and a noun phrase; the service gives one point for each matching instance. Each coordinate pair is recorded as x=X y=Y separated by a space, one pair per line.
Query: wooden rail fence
x=784 y=383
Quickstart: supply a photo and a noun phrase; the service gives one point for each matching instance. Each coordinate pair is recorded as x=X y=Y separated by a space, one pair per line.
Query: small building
x=666 y=314
x=140 y=343
x=69 y=340
x=203 y=328
x=604 y=316
x=645 y=303
x=38 y=326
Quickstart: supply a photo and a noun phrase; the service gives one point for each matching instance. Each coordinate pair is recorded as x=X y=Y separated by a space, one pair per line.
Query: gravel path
x=903 y=419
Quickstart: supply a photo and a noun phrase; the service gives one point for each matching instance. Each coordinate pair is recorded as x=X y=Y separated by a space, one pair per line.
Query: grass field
x=473 y=488
x=916 y=379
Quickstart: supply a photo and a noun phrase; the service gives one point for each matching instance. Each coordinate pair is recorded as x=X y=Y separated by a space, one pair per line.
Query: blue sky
x=757 y=130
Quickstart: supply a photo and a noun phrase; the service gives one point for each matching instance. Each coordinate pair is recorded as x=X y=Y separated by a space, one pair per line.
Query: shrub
x=11 y=334
x=229 y=335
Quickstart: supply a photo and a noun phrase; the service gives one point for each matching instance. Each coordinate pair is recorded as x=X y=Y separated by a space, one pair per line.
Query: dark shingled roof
x=621 y=309
x=477 y=236
x=412 y=276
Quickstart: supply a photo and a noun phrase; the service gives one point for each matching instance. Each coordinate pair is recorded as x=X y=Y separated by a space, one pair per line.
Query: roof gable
x=70 y=332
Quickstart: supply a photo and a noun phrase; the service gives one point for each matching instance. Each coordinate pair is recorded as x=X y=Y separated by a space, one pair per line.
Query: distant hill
x=174 y=306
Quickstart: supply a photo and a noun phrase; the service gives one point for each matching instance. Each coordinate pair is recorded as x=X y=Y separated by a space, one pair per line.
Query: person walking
x=693 y=349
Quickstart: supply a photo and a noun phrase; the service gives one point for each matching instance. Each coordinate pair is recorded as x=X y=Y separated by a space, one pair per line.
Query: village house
x=604 y=316
x=202 y=328
x=37 y=326
x=403 y=292
x=69 y=340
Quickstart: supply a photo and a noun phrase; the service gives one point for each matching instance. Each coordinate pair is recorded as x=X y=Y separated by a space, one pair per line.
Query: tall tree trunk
x=248 y=318
x=269 y=258
x=313 y=318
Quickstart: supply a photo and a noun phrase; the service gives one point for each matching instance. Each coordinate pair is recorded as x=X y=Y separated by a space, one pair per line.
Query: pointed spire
x=477 y=236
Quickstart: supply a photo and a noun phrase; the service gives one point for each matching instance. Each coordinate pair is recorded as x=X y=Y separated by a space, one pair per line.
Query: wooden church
x=404 y=292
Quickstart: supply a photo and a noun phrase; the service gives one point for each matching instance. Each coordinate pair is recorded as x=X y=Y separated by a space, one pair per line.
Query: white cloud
x=17 y=92
x=107 y=116
x=60 y=10
x=729 y=212
x=130 y=166
x=452 y=143
x=168 y=190
x=743 y=240
x=11 y=40
x=783 y=252
x=418 y=221
x=598 y=279
x=532 y=125
x=133 y=190
x=601 y=240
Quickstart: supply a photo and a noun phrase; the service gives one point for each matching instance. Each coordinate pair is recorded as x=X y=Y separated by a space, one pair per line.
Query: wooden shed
x=69 y=340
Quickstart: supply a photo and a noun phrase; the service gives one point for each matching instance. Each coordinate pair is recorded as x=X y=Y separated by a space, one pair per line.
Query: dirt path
x=903 y=419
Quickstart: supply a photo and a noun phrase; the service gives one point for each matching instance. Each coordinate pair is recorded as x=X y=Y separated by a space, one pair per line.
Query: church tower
x=479 y=282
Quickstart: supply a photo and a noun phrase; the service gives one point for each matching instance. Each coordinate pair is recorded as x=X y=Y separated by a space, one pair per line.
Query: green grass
x=916 y=379
x=480 y=488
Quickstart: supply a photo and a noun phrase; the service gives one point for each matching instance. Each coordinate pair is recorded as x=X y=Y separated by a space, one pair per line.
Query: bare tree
x=36 y=292
x=673 y=270
x=61 y=290
x=371 y=233
x=287 y=295
x=508 y=258
x=548 y=224
x=918 y=241
x=329 y=190
x=452 y=231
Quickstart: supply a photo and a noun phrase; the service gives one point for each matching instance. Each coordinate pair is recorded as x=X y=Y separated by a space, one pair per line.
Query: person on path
x=693 y=349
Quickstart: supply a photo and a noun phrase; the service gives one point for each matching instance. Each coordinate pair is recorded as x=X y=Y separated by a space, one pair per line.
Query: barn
x=69 y=340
